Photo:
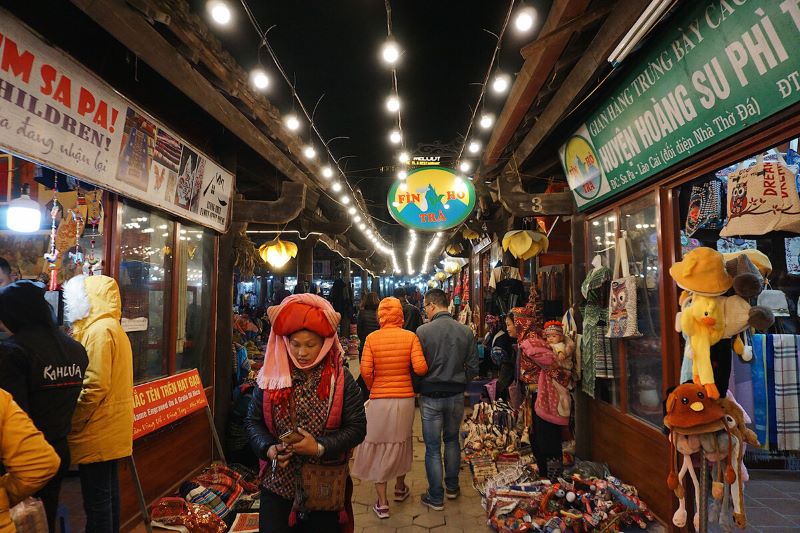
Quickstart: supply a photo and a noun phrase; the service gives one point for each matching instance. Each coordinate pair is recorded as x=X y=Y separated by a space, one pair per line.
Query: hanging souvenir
x=705 y=207
x=52 y=252
x=622 y=316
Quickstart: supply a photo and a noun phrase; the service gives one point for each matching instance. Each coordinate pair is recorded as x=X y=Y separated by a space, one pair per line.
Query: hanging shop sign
x=425 y=161
x=721 y=66
x=431 y=199
x=167 y=400
x=57 y=113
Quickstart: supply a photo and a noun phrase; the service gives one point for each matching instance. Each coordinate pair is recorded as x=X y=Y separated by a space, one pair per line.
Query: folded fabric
x=177 y=512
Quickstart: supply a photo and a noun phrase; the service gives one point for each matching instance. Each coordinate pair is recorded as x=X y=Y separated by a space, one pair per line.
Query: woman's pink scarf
x=276 y=372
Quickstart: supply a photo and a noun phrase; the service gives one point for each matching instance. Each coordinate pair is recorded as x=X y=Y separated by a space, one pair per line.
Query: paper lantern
x=277 y=252
x=525 y=244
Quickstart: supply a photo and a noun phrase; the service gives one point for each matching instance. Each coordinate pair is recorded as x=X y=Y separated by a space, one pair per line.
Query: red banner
x=167 y=400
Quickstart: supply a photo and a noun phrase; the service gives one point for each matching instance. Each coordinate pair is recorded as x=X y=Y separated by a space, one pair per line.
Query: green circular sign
x=431 y=199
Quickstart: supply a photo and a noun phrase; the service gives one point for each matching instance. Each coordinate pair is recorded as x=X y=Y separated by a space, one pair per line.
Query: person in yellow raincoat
x=102 y=425
x=28 y=460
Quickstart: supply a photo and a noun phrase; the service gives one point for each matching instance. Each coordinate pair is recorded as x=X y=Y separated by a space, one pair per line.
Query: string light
x=486 y=121
x=390 y=52
x=345 y=199
x=393 y=104
x=357 y=219
x=220 y=12
x=292 y=123
x=309 y=152
x=327 y=172
x=500 y=84
x=402 y=175
x=525 y=19
x=474 y=147
x=352 y=211
x=465 y=166
x=336 y=187
x=395 y=137
x=403 y=157
x=260 y=79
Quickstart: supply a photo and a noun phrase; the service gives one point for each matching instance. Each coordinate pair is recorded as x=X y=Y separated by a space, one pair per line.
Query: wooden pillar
x=305 y=261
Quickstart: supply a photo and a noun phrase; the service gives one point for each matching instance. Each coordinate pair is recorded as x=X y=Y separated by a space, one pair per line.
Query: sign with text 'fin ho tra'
x=431 y=199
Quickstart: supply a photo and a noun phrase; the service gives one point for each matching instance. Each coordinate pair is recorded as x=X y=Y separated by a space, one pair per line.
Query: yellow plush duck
x=704 y=324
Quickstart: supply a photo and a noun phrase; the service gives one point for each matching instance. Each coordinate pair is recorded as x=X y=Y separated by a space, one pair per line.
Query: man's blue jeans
x=441 y=421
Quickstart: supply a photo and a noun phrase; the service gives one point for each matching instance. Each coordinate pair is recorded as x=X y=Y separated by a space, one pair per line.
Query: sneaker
x=381 y=511
x=452 y=494
x=426 y=500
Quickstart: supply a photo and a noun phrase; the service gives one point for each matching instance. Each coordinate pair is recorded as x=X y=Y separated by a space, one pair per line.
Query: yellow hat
x=702 y=271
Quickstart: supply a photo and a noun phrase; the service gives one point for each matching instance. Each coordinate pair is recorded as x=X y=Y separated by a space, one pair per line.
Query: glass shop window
x=639 y=222
x=196 y=267
x=145 y=279
x=602 y=245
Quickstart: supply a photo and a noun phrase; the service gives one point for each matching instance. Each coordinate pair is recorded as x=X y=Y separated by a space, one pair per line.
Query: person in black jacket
x=366 y=324
x=504 y=355
x=43 y=369
x=303 y=388
x=412 y=318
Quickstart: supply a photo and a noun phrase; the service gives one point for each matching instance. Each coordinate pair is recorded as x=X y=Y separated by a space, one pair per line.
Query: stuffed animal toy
x=690 y=414
x=741 y=435
x=704 y=323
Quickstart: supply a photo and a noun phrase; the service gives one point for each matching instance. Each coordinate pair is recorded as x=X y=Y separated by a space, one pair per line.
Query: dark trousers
x=100 y=488
x=273 y=517
x=50 y=492
x=545 y=439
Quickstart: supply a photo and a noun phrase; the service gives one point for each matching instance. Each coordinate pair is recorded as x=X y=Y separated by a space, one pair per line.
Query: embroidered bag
x=762 y=198
x=705 y=207
x=622 y=321
x=324 y=486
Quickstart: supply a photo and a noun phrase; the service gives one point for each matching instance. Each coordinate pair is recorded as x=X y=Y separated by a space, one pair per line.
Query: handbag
x=622 y=318
x=775 y=301
x=705 y=207
x=761 y=199
x=324 y=486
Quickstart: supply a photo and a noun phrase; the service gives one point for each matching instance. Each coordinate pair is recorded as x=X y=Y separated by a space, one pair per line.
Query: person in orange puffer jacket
x=389 y=356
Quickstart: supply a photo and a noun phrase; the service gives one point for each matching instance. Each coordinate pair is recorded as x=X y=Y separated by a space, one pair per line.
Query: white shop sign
x=57 y=113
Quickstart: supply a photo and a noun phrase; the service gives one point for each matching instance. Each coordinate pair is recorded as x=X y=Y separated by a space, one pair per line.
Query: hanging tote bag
x=622 y=320
x=761 y=199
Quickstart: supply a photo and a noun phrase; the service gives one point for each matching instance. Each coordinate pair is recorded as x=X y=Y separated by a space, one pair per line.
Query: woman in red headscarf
x=305 y=418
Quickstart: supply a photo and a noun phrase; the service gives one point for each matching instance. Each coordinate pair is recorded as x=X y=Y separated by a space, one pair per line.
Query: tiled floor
x=772 y=501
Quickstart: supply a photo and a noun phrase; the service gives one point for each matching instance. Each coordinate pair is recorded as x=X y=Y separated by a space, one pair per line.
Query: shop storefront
x=658 y=168
x=115 y=192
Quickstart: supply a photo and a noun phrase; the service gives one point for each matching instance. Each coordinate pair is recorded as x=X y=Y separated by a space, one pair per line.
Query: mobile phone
x=291 y=437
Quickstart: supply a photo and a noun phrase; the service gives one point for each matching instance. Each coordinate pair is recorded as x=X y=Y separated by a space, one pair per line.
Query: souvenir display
x=622 y=316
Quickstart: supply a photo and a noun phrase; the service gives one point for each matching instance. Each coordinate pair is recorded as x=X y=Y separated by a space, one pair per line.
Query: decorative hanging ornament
x=52 y=255
x=440 y=276
x=470 y=234
x=277 y=252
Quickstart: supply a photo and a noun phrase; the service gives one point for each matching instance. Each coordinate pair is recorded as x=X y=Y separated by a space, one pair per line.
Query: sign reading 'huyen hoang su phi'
x=431 y=199
x=721 y=66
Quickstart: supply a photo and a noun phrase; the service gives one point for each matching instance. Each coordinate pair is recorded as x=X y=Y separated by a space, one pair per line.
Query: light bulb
x=362 y=226
x=219 y=11
x=336 y=187
x=474 y=147
x=327 y=172
x=345 y=199
x=402 y=175
x=357 y=219
x=403 y=157
x=465 y=166
x=390 y=52
x=395 y=137
x=352 y=211
x=24 y=215
x=525 y=19
x=260 y=79
x=486 y=121
x=393 y=104
x=292 y=123
x=500 y=83
x=309 y=152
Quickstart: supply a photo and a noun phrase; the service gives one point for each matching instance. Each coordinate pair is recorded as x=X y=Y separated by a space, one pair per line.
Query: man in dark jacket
x=452 y=356
x=412 y=319
x=43 y=369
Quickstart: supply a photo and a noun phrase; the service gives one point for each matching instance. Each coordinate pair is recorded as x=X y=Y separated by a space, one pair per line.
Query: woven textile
x=597 y=358
x=787 y=392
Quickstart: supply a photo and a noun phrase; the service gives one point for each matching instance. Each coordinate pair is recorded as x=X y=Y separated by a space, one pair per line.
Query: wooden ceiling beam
x=573 y=25
x=535 y=71
x=281 y=211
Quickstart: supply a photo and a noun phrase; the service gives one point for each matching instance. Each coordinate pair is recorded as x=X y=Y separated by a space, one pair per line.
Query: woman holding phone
x=305 y=418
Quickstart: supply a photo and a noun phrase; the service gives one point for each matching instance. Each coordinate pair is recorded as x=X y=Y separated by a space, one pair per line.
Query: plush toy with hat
x=708 y=315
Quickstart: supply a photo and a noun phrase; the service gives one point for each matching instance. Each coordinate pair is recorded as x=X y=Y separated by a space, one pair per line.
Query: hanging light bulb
x=309 y=152
x=345 y=199
x=474 y=147
x=24 y=214
x=402 y=175
x=352 y=210
x=327 y=172
x=525 y=19
x=395 y=137
x=500 y=83
x=292 y=123
x=259 y=79
x=336 y=187
x=403 y=157
x=393 y=104
x=486 y=121
x=465 y=166
x=362 y=226
x=219 y=11
x=390 y=52
x=357 y=219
